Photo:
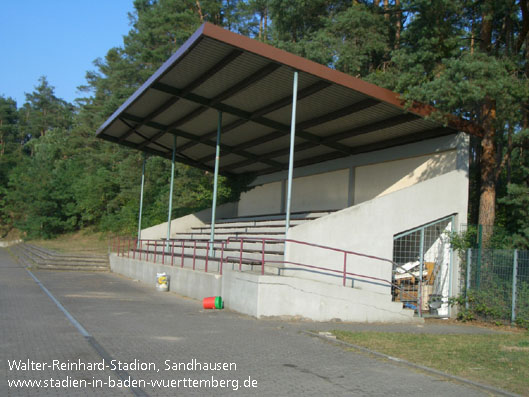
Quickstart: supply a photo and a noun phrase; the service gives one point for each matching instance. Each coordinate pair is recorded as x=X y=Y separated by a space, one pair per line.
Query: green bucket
x=219 y=304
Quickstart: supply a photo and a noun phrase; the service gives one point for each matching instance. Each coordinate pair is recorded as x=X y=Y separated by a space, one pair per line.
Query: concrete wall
x=9 y=243
x=341 y=183
x=295 y=297
x=266 y=296
x=326 y=191
x=194 y=284
x=369 y=228
x=260 y=200
x=379 y=179
x=337 y=183
x=185 y=223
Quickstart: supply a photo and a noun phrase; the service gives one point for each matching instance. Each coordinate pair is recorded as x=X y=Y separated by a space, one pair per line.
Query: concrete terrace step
x=202 y=247
x=293 y=216
x=55 y=254
x=225 y=235
x=198 y=261
x=73 y=266
x=250 y=251
x=257 y=224
x=233 y=254
x=22 y=255
x=265 y=224
x=241 y=229
x=195 y=249
x=43 y=258
x=233 y=247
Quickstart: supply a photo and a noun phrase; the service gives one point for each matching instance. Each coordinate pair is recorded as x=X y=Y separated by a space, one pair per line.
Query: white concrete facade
x=369 y=227
x=344 y=182
x=185 y=223
x=378 y=195
x=269 y=296
x=435 y=187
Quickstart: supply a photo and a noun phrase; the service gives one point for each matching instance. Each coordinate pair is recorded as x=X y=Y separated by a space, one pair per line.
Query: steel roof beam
x=318 y=86
x=337 y=114
x=204 y=140
x=348 y=110
x=150 y=116
x=135 y=131
x=391 y=122
x=247 y=115
x=380 y=125
x=241 y=85
x=276 y=153
x=210 y=135
x=166 y=154
x=263 y=72
x=191 y=86
x=371 y=147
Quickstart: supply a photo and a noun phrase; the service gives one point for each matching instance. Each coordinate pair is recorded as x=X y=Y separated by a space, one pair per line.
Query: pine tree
x=462 y=58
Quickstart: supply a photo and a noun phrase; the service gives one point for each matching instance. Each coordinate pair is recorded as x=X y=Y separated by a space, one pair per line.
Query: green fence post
x=421 y=270
x=467 y=281
x=480 y=247
x=514 y=277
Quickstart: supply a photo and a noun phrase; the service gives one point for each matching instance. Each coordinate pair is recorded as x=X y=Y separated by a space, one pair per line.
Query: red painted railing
x=123 y=247
x=343 y=272
x=150 y=250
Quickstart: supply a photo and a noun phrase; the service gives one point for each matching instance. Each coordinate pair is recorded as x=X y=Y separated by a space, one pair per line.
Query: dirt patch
x=476 y=323
x=515 y=348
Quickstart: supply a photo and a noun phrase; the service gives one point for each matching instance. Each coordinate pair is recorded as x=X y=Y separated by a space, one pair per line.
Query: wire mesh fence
x=496 y=285
x=422 y=259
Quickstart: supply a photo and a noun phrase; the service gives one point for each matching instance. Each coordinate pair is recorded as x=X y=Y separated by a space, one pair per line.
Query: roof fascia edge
x=334 y=76
x=302 y=64
x=182 y=50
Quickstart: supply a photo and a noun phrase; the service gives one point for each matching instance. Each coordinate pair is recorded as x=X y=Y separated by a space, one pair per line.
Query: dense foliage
x=468 y=58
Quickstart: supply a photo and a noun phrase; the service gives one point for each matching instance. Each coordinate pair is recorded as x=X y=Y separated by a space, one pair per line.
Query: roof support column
x=171 y=194
x=291 y=157
x=216 y=178
x=141 y=197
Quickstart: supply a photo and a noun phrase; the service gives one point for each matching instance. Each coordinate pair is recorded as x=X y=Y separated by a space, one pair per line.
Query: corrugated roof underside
x=260 y=144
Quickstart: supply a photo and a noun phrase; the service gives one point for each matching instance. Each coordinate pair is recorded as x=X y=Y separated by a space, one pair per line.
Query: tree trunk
x=487 y=199
x=261 y=18
x=199 y=9
x=398 y=24
x=265 y=24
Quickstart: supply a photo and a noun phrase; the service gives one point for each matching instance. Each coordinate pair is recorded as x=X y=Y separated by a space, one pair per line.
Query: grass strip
x=500 y=360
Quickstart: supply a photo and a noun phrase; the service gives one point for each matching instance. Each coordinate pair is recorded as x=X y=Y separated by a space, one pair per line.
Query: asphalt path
x=108 y=335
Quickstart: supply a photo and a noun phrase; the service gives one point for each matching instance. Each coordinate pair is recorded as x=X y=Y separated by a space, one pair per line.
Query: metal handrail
x=344 y=272
x=228 y=258
x=166 y=244
x=325 y=247
x=311 y=245
x=263 y=240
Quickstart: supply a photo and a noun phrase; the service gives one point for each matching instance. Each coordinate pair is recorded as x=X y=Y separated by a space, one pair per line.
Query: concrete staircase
x=256 y=227
x=41 y=258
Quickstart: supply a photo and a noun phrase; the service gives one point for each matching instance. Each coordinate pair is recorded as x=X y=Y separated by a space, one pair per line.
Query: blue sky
x=58 y=39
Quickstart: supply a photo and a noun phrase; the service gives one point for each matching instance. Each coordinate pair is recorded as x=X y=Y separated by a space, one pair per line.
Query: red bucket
x=209 y=303
x=213 y=302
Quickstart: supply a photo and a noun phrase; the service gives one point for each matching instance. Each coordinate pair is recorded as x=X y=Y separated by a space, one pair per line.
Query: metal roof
x=251 y=83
